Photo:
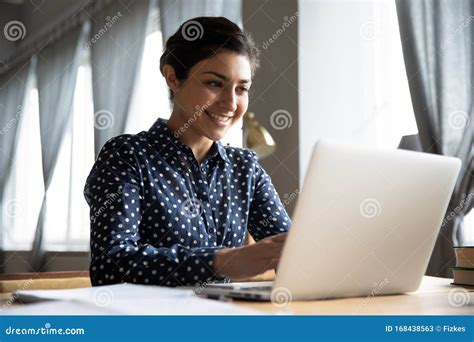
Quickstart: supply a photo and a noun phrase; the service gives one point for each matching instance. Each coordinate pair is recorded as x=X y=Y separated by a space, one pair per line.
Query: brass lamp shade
x=257 y=138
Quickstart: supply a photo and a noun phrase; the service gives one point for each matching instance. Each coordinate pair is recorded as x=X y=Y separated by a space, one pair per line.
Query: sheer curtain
x=56 y=73
x=115 y=59
x=437 y=39
x=150 y=97
x=174 y=12
x=25 y=189
x=67 y=217
x=12 y=85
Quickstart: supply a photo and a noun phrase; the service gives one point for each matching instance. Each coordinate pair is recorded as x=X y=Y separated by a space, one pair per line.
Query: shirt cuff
x=200 y=261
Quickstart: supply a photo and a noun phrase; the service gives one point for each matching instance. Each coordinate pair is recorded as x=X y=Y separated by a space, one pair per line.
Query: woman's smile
x=221 y=120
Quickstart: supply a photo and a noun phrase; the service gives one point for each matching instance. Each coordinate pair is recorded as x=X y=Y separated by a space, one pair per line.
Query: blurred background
x=75 y=73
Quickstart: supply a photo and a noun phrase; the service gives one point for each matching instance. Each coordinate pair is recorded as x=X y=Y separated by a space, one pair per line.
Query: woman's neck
x=199 y=144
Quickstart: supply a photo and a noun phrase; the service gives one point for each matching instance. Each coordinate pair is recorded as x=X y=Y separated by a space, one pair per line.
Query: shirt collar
x=160 y=131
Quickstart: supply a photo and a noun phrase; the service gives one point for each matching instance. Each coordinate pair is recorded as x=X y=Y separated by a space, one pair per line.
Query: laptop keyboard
x=242 y=288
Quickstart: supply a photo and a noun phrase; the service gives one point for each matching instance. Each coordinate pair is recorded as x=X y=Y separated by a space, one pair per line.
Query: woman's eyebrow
x=223 y=77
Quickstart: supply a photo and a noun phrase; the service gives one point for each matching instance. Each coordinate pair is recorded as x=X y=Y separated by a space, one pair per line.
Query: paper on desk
x=122 y=299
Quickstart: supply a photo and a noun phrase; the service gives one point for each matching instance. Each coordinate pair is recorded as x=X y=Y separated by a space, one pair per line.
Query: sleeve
x=113 y=192
x=267 y=215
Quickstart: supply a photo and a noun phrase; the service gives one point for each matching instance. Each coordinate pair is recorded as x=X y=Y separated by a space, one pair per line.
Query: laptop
x=365 y=224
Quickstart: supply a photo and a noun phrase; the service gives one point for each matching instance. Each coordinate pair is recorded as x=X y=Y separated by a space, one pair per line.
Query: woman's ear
x=170 y=77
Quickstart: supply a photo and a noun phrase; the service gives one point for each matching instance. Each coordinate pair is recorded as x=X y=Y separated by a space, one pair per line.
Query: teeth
x=221 y=118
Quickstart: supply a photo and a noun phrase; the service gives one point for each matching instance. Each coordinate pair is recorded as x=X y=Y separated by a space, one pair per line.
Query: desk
x=432 y=298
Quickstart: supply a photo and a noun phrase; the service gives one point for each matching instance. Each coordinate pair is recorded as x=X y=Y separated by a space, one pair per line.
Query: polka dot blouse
x=158 y=217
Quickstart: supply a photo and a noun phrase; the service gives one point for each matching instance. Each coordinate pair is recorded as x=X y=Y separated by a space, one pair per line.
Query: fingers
x=250 y=260
x=277 y=239
x=271 y=264
x=273 y=244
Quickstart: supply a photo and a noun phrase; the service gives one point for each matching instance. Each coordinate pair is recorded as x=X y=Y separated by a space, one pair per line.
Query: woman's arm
x=268 y=224
x=267 y=216
x=251 y=260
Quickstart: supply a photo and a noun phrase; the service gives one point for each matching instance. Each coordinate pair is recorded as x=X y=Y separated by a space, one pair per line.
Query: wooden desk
x=43 y=281
x=434 y=297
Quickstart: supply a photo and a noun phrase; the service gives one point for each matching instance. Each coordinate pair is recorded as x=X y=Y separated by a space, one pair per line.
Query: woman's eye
x=214 y=83
x=243 y=89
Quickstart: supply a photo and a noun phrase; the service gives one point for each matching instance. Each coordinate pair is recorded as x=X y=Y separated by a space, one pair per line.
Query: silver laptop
x=365 y=224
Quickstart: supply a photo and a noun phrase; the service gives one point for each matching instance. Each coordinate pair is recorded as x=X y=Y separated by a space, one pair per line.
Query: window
x=24 y=191
x=67 y=214
x=67 y=218
x=352 y=76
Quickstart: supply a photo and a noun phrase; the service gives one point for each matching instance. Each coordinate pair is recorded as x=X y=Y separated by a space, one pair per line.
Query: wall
x=275 y=87
x=8 y=13
x=38 y=17
x=16 y=262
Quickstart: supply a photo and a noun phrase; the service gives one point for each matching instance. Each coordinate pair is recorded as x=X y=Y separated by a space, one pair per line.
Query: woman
x=171 y=206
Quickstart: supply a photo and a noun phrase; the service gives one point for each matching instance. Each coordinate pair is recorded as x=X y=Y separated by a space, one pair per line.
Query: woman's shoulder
x=239 y=155
x=127 y=143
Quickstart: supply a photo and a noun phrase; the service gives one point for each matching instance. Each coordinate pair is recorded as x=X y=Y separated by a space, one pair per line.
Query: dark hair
x=200 y=38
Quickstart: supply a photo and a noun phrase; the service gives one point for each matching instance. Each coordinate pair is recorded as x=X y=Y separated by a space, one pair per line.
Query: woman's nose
x=228 y=100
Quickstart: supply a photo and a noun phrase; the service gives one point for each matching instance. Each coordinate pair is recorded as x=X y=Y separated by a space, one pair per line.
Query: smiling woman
x=171 y=206
x=214 y=96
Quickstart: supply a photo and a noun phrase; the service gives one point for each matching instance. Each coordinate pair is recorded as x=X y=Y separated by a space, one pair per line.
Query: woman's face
x=215 y=94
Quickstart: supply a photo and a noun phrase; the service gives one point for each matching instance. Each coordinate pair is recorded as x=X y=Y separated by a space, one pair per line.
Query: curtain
x=56 y=73
x=174 y=12
x=437 y=40
x=115 y=58
x=12 y=94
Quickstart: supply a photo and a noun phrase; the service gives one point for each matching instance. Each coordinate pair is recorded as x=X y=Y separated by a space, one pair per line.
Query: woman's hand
x=251 y=260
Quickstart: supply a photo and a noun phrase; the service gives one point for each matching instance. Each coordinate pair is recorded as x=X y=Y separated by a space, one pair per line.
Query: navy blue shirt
x=158 y=217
